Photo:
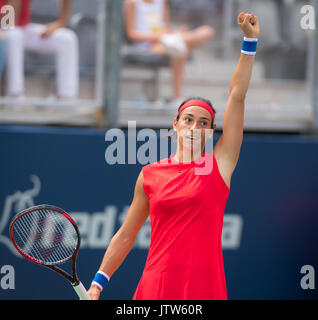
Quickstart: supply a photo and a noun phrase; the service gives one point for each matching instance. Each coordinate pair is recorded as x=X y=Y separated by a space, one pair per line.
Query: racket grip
x=81 y=291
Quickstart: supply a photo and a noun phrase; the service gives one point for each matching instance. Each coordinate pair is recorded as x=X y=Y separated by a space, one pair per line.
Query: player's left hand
x=249 y=24
x=51 y=28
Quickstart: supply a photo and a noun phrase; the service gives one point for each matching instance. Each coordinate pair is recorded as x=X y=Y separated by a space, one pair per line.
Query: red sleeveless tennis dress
x=186 y=207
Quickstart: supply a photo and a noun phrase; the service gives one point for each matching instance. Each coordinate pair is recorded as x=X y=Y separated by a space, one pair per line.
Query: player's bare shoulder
x=139 y=189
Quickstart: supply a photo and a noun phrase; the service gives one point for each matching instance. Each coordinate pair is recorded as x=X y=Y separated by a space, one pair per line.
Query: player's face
x=194 y=128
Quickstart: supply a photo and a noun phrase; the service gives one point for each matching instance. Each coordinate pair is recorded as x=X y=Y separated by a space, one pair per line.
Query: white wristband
x=250 y=39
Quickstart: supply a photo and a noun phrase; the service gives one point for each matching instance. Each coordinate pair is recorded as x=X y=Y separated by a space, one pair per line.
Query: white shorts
x=63 y=43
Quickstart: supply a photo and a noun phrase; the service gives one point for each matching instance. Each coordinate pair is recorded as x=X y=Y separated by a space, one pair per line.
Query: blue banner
x=270 y=227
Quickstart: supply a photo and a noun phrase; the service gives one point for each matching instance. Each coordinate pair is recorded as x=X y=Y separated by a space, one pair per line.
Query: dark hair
x=198 y=98
x=213 y=126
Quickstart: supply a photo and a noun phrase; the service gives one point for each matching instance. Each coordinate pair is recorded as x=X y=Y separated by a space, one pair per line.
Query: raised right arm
x=123 y=241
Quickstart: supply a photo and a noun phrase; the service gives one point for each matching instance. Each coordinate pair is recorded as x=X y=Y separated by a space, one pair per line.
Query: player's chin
x=193 y=148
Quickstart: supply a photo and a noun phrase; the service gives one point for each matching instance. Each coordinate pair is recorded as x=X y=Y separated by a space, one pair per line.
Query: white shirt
x=148 y=19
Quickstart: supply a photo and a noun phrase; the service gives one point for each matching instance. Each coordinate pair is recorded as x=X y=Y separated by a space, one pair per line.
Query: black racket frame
x=73 y=279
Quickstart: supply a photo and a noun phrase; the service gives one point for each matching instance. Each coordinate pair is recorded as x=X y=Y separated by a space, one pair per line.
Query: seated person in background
x=147 y=25
x=53 y=38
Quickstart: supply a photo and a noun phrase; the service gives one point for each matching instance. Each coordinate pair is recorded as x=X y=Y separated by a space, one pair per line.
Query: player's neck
x=187 y=155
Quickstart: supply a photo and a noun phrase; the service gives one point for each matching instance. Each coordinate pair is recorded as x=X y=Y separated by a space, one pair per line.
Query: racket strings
x=46 y=236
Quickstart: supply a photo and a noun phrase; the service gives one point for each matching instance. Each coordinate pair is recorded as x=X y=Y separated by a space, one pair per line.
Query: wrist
x=249 y=46
x=94 y=286
x=250 y=35
x=100 y=280
x=62 y=23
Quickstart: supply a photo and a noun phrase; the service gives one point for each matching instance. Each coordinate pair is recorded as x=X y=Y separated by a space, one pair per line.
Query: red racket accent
x=48 y=236
x=45 y=235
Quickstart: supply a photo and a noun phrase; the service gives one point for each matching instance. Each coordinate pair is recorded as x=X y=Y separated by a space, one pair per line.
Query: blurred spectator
x=148 y=27
x=53 y=38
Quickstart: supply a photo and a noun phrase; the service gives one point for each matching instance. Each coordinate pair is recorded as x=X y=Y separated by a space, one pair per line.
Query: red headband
x=197 y=103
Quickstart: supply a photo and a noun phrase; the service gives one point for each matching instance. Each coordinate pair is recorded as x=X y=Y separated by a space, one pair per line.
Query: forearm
x=140 y=37
x=116 y=253
x=243 y=72
x=229 y=145
x=242 y=76
x=65 y=11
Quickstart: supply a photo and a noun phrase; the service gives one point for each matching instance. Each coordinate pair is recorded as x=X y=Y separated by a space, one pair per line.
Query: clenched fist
x=249 y=24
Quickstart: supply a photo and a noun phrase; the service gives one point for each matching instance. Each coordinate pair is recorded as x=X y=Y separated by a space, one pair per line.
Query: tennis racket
x=48 y=236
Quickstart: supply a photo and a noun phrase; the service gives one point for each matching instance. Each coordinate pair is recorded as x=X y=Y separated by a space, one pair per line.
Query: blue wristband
x=101 y=279
x=249 y=46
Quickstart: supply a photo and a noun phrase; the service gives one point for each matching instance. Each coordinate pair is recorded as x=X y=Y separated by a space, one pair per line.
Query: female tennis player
x=186 y=208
